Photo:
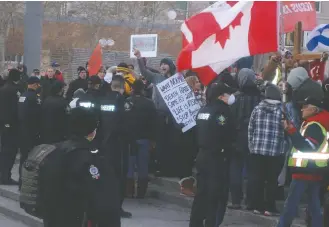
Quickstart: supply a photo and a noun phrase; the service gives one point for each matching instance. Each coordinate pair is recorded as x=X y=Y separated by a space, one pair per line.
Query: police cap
x=95 y=80
x=82 y=121
x=33 y=80
x=219 y=88
x=313 y=101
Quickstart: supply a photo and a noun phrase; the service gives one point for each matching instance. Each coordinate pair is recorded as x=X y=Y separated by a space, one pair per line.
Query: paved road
x=6 y=222
x=150 y=213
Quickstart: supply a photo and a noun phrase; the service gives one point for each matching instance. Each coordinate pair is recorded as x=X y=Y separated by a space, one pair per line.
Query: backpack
x=35 y=168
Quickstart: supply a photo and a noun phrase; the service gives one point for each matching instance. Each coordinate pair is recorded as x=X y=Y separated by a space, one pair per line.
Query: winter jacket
x=155 y=78
x=246 y=99
x=265 y=131
x=9 y=95
x=313 y=135
x=75 y=85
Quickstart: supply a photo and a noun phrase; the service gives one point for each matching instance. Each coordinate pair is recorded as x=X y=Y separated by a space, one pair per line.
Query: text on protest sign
x=180 y=100
x=146 y=44
x=295 y=11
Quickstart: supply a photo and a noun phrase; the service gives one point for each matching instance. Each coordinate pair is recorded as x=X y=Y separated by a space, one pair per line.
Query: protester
x=142 y=119
x=215 y=133
x=308 y=161
x=36 y=72
x=9 y=127
x=29 y=115
x=54 y=116
x=247 y=98
x=58 y=74
x=266 y=145
x=80 y=82
x=303 y=86
x=122 y=69
x=47 y=82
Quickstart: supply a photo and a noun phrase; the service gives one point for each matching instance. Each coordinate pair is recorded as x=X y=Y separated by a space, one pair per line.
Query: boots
x=130 y=188
x=142 y=187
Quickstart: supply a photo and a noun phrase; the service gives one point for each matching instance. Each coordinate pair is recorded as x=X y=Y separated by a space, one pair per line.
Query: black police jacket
x=29 y=114
x=215 y=127
x=141 y=119
x=112 y=115
x=85 y=184
x=75 y=85
x=54 y=118
x=9 y=95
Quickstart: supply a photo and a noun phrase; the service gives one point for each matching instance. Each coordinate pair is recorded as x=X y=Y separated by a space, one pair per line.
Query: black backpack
x=34 y=170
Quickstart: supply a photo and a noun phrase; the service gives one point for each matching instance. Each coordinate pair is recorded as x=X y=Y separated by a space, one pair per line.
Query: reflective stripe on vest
x=319 y=157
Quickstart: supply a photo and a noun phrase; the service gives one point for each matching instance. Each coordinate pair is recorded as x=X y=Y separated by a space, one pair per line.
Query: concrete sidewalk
x=165 y=189
x=168 y=189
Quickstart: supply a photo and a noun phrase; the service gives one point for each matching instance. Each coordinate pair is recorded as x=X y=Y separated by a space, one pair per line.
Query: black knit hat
x=171 y=64
x=272 y=92
x=80 y=69
x=82 y=121
x=14 y=75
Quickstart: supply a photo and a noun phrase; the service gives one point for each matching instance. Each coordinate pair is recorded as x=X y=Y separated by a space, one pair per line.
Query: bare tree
x=10 y=13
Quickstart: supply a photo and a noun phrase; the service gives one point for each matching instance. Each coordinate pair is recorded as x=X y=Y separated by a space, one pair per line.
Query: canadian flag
x=226 y=31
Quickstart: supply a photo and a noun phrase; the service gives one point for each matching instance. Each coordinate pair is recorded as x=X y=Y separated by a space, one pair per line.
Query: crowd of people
x=244 y=132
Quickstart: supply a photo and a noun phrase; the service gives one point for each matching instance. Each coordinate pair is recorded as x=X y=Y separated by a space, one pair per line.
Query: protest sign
x=146 y=44
x=180 y=100
x=295 y=11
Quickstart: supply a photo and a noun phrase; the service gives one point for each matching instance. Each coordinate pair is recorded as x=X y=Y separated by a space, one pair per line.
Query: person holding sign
x=215 y=134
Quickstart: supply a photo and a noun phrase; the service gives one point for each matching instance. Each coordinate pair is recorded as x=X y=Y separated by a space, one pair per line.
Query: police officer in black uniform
x=215 y=136
x=54 y=116
x=9 y=95
x=88 y=187
x=29 y=115
x=115 y=134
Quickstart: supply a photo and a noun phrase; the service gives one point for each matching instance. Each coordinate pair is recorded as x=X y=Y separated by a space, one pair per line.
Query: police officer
x=115 y=135
x=9 y=95
x=215 y=133
x=54 y=115
x=29 y=115
x=89 y=186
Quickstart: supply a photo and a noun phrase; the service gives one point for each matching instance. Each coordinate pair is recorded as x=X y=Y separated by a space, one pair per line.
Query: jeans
x=296 y=190
x=141 y=160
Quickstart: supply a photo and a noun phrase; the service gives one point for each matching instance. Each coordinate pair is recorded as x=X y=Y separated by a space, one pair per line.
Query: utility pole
x=33 y=21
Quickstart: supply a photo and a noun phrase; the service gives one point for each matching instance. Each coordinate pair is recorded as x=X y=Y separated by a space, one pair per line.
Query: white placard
x=180 y=100
x=146 y=44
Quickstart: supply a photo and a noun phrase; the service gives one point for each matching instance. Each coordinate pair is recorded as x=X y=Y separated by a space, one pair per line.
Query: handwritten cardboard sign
x=147 y=44
x=180 y=100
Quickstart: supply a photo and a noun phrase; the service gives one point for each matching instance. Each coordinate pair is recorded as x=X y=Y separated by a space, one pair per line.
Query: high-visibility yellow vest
x=311 y=160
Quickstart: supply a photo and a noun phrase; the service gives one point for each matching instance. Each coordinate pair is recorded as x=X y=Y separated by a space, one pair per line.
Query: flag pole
x=281 y=49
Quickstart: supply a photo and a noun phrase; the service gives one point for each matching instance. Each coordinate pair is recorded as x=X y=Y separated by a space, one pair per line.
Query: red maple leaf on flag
x=225 y=33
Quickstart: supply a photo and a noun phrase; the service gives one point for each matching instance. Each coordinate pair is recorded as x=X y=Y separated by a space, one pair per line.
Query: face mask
x=91 y=136
x=231 y=100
